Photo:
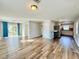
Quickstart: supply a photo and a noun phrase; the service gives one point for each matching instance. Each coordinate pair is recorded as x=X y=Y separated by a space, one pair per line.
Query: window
x=65 y=27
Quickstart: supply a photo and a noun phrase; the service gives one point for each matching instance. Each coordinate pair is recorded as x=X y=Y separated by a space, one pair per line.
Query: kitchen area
x=63 y=29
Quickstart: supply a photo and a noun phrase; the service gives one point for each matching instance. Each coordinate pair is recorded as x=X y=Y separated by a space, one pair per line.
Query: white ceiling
x=48 y=9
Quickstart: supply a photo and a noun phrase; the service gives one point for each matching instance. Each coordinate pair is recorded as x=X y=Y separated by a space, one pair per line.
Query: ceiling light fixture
x=34 y=7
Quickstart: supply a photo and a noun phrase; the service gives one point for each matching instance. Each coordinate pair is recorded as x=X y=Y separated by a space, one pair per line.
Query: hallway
x=38 y=48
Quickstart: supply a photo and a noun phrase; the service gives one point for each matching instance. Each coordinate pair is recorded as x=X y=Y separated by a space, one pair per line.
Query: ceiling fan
x=37 y=1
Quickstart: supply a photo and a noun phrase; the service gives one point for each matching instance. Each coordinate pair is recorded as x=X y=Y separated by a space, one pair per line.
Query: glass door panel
x=12 y=29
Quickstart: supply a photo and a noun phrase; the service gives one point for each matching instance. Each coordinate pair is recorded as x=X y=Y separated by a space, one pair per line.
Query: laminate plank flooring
x=38 y=48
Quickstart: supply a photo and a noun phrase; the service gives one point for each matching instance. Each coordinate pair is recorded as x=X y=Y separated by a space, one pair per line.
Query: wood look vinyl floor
x=38 y=48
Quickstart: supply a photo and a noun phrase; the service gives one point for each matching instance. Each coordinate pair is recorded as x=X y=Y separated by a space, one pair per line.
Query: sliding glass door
x=14 y=29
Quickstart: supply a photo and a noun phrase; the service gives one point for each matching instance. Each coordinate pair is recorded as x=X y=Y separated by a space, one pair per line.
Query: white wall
x=52 y=29
x=47 y=30
x=24 y=29
x=76 y=34
x=34 y=29
x=44 y=28
x=1 y=28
